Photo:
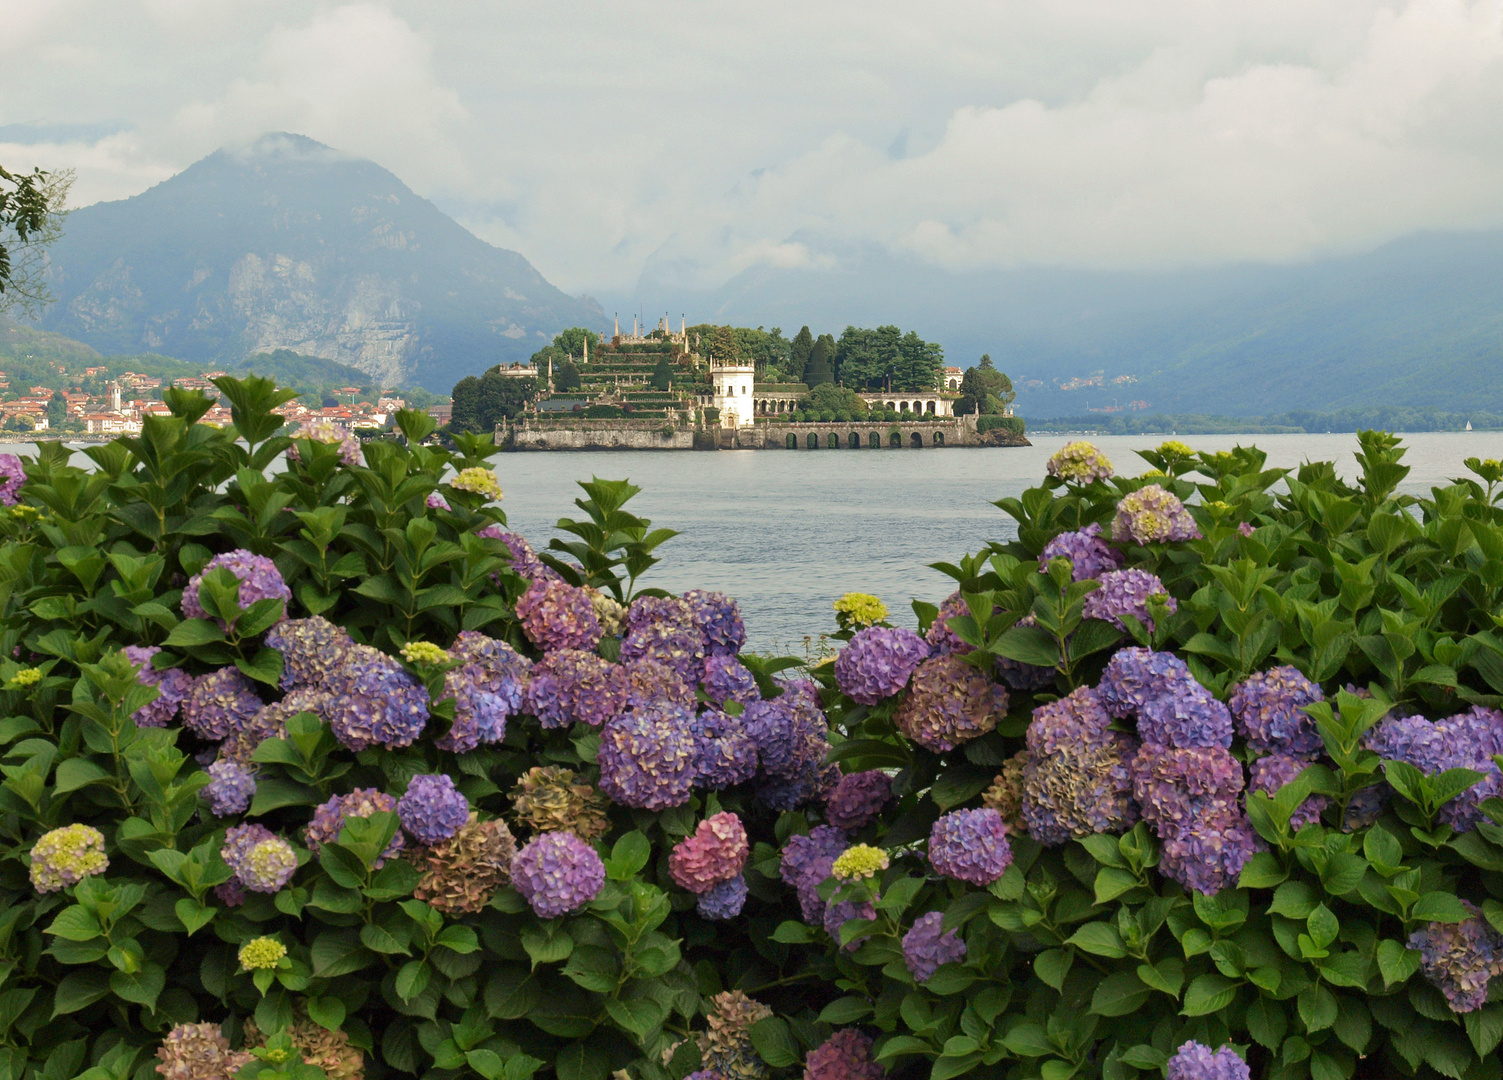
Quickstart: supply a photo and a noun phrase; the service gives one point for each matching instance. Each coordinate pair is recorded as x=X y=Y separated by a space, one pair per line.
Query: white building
x=929 y=404
x=732 y=392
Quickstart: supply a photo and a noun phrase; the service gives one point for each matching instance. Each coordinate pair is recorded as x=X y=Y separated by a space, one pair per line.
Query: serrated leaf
x=1119 y=994
x=1208 y=994
x=774 y=1042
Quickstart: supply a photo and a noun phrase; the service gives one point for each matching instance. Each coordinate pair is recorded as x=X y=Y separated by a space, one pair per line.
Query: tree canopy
x=565 y=375
x=827 y=397
x=798 y=354
x=821 y=366
x=662 y=374
x=31 y=218
x=887 y=358
x=480 y=404
x=572 y=341
x=983 y=384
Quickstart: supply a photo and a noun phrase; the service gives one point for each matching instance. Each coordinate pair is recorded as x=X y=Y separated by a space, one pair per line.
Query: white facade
x=733 y=393
x=930 y=404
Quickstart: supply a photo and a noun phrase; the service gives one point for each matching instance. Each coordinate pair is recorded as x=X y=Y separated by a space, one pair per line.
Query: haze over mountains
x=289 y=244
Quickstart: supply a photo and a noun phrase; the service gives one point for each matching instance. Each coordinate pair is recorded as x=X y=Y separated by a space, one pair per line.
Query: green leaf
x=1294 y=899
x=1208 y=994
x=1119 y=994
x=339 y=952
x=1028 y=1039
x=265 y=666
x=143 y=987
x=1052 y=965
x=327 y=1012
x=1099 y=939
x=1396 y=963
x=78 y=990
x=1484 y=1027
x=546 y=945
x=594 y=968
x=192 y=914
x=793 y=933
x=628 y=856
x=774 y=1042
x=1262 y=871
x=1440 y=907
x=1266 y=1023
x=582 y=1061
x=845 y=1010
x=1317 y=1007
x=511 y=993
x=412 y=979
x=273 y=794
x=77 y=773
x=76 y=923
x=191 y=633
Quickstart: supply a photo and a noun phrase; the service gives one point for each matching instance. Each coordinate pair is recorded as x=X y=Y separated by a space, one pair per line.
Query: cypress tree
x=820 y=368
x=798 y=354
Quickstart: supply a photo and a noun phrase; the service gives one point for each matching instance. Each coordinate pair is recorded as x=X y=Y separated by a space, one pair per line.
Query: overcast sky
x=709 y=136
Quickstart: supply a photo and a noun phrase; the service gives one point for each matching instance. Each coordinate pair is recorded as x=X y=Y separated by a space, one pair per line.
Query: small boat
x=1469 y=425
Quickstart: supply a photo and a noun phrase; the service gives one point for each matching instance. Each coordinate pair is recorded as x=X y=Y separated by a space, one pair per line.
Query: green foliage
x=565 y=377
x=799 y=351
x=663 y=374
x=887 y=358
x=988 y=422
x=829 y=398
x=572 y=341
x=31 y=214
x=986 y=386
x=821 y=366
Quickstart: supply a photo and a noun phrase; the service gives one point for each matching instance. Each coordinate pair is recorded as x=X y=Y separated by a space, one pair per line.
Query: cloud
x=702 y=139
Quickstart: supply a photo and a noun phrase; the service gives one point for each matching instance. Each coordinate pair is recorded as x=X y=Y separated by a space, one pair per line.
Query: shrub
x=987 y=422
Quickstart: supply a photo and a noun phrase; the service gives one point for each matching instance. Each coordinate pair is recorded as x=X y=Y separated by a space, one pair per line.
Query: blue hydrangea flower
x=1075 y=779
x=231 y=789
x=488 y=688
x=970 y=846
x=12 y=476
x=647 y=757
x=949 y=702
x=1195 y=1061
x=806 y=863
x=1187 y=718
x=858 y=798
x=1460 y=958
x=259 y=580
x=1134 y=677
x=557 y=873
x=556 y=615
x=1267 y=706
x=724 y=754
x=433 y=809
x=173 y=685
x=1126 y=592
x=925 y=948
x=219 y=704
x=569 y=685
x=723 y=901
x=312 y=649
x=1089 y=555
x=724 y=678
x=375 y=701
x=663 y=629
x=718 y=618
x=646 y=681
x=877 y=662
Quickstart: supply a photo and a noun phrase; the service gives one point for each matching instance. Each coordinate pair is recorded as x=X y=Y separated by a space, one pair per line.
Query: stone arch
x=874 y=441
x=891 y=405
x=894 y=438
x=939 y=438
x=916 y=440
x=832 y=441
x=854 y=441
x=812 y=442
x=929 y=407
x=791 y=442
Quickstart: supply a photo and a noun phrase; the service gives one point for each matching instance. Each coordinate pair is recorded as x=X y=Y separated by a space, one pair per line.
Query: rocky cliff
x=290 y=244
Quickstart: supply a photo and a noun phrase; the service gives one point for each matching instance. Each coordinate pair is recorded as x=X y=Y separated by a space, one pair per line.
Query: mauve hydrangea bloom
x=1126 y=592
x=723 y=901
x=231 y=789
x=220 y=704
x=436 y=501
x=647 y=681
x=1468 y=740
x=462 y=874
x=433 y=809
x=312 y=650
x=12 y=476
x=841 y=912
x=488 y=687
x=718 y=618
x=1271 y=773
x=1188 y=718
x=230 y=893
x=877 y=661
x=1209 y=855
x=792 y=740
x=1134 y=677
x=663 y=629
x=1152 y=515
x=1006 y=793
x=556 y=615
x=1267 y=706
x=1089 y=555
x=1245 y=528
x=1177 y=788
x=724 y=753
x=724 y=678
x=172 y=686
x=970 y=846
x=1195 y=1061
x=524 y=561
x=1075 y=779
x=942 y=640
x=326 y=431
x=557 y=873
x=845 y=1055
x=330 y=817
x=66 y=856
x=261 y=860
x=271 y=723
x=806 y=862
x=570 y=685
x=950 y=702
x=199 y=1052
x=259 y=580
x=925 y=948
x=376 y=701
x=858 y=798
x=1079 y=462
x=1460 y=958
x=715 y=852
x=647 y=757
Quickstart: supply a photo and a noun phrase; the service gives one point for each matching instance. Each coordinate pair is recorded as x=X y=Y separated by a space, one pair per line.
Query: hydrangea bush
x=312 y=768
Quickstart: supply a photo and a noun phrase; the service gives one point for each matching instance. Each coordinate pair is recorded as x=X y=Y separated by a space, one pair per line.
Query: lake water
x=787 y=533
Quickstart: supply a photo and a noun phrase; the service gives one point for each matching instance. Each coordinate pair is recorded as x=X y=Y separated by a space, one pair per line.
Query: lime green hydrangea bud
x=29 y=676
x=264 y=952
x=423 y=652
x=477 y=480
x=66 y=856
x=860 y=609
x=859 y=861
x=1173 y=448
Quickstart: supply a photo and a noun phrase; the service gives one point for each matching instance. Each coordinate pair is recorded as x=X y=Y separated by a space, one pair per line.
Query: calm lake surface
x=786 y=533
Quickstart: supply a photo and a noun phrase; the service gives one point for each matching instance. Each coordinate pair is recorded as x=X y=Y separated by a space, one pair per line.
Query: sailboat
x=1469 y=425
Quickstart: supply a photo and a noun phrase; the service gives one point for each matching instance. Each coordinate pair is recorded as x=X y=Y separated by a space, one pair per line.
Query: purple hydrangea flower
x=723 y=901
x=1271 y=773
x=12 y=476
x=1089 y=555
x=942 y=640
x=262 y=861
x=488 y=687
x=1134 y=677
x=647 y=681
x=433 y=809
x=806 y=863
x=845 y=1055
x=230 y=893
x=321 y=430
x=1460 y=958
x=219 y=704
x=1267 y=706
x=312 y=650
x=1126 y=592
x=556 y=615
x=570 y=685
x=792 y=740
x=647 y=757
x=259 y=580
x=436 y=501
x=663 y=629
x=724 y=754
x=1177 y=788
x=858 y=798
x=524 y=561
x=1152 y=515
x=724 y=678
x=375 y=701
x=925 y=948
x=970 y=846
x=1080 y=717
x=715 y=852
x=331 y=816
x=1209 y=855
x=1466 y=741
x=841 y=912
x=718 y=618
x=1195 y=1061
x=950 y=702
x=173 y=685
x=1188 y=718
x=231 y=789
x=877 y=662
x=1075 y=780
x=557 y=873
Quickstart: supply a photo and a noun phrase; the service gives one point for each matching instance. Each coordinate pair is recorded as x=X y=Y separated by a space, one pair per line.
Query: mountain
x=290 y=244
x=1417 y=322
